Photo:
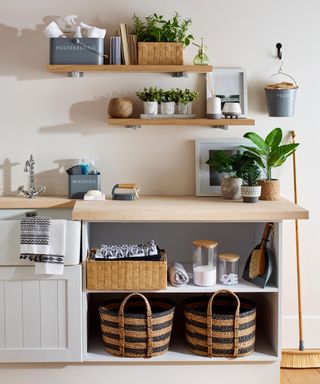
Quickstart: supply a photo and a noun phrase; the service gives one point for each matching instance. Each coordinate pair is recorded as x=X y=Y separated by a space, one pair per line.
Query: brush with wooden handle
x=257 y=265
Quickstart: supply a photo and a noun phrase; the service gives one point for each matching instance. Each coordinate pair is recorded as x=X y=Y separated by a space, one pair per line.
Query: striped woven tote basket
x=136 y=327
x=220 y=326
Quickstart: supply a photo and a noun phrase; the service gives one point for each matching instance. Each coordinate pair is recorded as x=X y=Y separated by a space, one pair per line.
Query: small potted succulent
x=250 y=174
x=184 y=99
x=230 y=166
x=168 y=102
x=268 y=153
x=160 y=40
x=151 y=98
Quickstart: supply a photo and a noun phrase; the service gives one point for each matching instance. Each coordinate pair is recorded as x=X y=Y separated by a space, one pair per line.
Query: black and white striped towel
x=128 y=250
x=43 y=240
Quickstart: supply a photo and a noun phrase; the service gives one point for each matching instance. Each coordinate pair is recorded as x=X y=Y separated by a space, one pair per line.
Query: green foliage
x=230 y=164
x=151 y=94
x=250 y=173
x=268 y=153
x=155 y=28
x=168 y=96
x=186 y=96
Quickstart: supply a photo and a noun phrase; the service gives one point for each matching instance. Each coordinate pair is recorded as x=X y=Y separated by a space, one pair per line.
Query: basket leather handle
x=148 y=323
x=235 y=326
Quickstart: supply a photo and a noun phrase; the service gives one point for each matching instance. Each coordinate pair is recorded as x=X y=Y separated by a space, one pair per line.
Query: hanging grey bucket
x=281 y=102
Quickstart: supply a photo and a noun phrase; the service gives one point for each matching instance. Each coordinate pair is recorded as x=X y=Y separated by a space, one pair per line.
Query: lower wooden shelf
x=131 y=122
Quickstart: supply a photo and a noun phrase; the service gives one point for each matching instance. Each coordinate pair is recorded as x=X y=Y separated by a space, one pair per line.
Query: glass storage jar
x=204 y=262
x=228 y=268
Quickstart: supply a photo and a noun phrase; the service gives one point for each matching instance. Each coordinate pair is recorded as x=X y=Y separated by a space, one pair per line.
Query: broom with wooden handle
x=301 y=358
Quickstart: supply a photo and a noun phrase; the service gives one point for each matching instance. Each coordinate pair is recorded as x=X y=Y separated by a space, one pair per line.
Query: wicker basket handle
x=236 y=322
x=148 y=323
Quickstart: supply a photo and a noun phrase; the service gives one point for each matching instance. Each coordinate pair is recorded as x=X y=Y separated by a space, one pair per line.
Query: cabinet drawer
x=10 y=243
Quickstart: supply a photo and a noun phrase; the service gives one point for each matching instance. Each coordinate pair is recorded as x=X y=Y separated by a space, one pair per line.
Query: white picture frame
x=208 y=182
x=230 y=83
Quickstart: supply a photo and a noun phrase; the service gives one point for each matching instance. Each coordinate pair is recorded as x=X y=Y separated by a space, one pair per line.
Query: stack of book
x=123 y=48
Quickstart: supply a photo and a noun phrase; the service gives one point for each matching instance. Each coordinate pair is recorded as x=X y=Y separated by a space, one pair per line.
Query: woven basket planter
x=136 y=328
x=220 y=326
x=160 y=53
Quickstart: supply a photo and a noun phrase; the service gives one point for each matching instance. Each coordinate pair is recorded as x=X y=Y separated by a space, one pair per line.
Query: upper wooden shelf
x=21 y=202
x=186 y=209
x=130 y=68
x=198 y=122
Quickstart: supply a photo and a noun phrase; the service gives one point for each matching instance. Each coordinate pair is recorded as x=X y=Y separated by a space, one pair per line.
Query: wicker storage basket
x=139 y=328
x=224 y=328
x=160 y=53
x=127 y=275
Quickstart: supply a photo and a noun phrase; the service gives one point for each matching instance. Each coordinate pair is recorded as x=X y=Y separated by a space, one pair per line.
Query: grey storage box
x=80 y=184
x=76 y=50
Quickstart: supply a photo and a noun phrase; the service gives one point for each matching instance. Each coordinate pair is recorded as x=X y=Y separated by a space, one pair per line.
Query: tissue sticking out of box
x=53 y=30
x=94 y=31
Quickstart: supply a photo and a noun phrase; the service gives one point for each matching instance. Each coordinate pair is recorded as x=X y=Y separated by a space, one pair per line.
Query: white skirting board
x=290 y=334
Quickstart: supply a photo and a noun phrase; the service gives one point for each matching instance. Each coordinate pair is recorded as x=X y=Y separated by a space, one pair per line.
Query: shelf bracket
x=180 y=74
x=75 y=74
x=223 y=127
x=135 y=127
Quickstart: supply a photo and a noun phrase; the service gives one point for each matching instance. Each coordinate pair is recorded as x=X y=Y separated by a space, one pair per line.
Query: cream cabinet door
x=40 y=317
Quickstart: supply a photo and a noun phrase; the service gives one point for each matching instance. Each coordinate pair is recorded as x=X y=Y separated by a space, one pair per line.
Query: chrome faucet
x=31 y=192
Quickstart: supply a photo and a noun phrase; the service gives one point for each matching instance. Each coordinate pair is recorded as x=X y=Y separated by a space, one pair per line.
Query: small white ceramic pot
x=168 y=108
x=231 y=188
x=214 y=108
x=231 y=110
x=150 y=107
x=184 y=109
x=250 y=194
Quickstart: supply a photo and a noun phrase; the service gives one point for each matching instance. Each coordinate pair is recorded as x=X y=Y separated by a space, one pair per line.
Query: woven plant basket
x=138 y=328
x=160 y=53
x=220 y=326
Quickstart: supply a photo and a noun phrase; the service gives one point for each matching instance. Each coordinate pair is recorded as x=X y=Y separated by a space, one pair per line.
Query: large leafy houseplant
x=269 y=153
x=155 y=28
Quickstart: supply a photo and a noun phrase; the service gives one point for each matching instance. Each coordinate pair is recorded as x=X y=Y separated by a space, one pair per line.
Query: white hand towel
x=178 y=275
x=44 y=241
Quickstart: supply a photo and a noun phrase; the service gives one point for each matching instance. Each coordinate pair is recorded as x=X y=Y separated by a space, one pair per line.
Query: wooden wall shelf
x=130 y=68
x=217 y=123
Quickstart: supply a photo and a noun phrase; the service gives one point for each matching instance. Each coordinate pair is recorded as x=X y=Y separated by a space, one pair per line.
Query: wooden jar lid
x=205 y=243
x=231 y=257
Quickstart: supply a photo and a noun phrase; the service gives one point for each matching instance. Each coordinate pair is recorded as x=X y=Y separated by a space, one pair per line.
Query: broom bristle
x=291 y=358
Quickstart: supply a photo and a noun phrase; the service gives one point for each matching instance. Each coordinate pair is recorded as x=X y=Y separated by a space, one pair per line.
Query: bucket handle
x=235 y=325
x=148 y=323
x=78 y=42
x=285 y=74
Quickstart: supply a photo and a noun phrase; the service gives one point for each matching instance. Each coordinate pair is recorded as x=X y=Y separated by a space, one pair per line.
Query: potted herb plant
x=151 y=98
x=250 y=174
x=168 y=102
x=160 y=40
x=229 y=166
x=184 y=100
x=269 y=153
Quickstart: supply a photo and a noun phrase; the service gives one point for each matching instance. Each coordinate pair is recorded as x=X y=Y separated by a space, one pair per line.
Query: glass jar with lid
x=228 y=268
x=204 y=262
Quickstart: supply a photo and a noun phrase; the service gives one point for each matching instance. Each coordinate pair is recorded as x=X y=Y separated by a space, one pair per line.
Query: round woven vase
x=120 y=107
x=270 y=189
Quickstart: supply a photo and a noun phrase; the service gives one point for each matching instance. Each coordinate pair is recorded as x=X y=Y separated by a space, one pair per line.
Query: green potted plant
x=229 y=166
x=168 y=102
x=250 y=174
x=151 y=98
x=184 y=100
x=160 y=40
x=269 y=153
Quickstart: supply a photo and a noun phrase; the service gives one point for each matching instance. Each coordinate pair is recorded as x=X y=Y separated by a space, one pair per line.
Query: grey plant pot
x=250 y=194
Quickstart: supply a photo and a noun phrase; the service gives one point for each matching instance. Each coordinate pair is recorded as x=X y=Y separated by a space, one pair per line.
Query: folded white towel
x=44 y=241
x=177 y=275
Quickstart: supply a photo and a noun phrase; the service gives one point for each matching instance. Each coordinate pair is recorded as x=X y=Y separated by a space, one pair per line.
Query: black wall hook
x=279 y=46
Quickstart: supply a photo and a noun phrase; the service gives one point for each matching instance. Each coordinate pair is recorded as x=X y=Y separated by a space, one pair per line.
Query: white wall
x=57 y=118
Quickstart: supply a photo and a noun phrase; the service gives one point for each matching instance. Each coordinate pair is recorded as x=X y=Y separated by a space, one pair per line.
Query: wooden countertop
x=21 y=202
x=186 y=208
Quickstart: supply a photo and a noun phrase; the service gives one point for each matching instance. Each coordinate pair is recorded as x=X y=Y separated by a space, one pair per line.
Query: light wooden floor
x=300 y=376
